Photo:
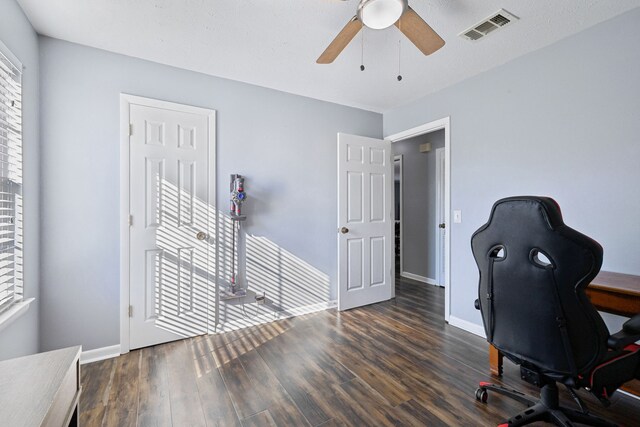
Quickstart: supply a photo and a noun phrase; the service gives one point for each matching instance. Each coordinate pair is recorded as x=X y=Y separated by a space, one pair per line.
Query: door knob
x=441 y=225
x=201 y=235
x=344 y=230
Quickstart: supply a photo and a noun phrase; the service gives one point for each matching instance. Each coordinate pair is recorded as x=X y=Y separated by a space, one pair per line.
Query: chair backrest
x=533 y=273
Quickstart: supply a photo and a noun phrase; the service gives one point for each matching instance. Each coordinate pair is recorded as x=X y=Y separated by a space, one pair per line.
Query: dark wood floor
x=394 y=363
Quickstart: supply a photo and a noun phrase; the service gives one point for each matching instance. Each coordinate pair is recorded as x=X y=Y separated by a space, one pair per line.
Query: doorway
x=398 y=203
x=421 y=192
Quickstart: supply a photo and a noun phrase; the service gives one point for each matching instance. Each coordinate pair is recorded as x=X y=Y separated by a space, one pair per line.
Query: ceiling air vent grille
x=473 y=35
x=500 y=20
x=493 y=22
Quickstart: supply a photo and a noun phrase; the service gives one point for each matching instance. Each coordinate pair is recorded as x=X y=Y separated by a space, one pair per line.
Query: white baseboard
x=467 y=326
x=417 y=278
x=268 y=317
x=101 y=353
x=312 y=308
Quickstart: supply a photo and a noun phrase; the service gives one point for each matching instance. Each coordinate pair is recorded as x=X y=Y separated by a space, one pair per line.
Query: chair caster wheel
x=482 y=395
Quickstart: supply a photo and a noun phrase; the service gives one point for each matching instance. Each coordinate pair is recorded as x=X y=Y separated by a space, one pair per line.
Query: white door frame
x=399 y=158
x=126 y=101
x=440 y=157
x=433 y=126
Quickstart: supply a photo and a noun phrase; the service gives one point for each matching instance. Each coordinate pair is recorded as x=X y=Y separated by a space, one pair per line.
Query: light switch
x=457 y=217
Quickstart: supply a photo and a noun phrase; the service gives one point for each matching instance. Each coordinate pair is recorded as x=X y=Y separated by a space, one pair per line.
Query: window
x=11 y=235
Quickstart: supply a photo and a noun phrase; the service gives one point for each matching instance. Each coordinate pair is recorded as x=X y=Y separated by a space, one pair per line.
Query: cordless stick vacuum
x=238 y=196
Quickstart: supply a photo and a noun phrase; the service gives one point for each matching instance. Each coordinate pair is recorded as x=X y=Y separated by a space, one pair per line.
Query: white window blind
x=11 y=230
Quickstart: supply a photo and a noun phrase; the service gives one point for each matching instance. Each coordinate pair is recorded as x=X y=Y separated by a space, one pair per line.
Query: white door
x=441 y=230
x=170 y=206
x=365 y=221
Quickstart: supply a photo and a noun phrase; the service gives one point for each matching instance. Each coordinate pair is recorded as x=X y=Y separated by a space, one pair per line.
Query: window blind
x=11 y=226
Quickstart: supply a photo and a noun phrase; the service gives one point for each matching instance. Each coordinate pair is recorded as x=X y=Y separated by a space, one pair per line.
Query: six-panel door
x=169 y=264
x=365 y=200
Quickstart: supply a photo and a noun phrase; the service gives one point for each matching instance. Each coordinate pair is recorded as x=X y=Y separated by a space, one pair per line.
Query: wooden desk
x=41 y=390
x=615 y=293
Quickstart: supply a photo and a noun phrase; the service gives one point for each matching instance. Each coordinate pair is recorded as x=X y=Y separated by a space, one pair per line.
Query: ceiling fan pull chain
x=362 y=53
x=399 y=49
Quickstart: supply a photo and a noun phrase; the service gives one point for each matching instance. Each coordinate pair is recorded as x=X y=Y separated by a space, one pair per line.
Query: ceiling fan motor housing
x=379 y=14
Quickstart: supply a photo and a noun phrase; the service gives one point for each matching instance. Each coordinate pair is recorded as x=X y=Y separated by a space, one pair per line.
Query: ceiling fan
x=379 y=14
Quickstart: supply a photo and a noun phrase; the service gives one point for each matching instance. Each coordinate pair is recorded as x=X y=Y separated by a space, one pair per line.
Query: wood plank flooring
x=394 y=363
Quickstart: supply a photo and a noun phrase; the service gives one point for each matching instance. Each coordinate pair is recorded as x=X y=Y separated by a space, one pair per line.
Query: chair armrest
x=629 y=334
x=632 y=326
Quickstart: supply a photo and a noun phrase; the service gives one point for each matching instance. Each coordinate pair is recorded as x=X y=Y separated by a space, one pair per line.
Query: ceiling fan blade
x=419 y=32
x=341 y=41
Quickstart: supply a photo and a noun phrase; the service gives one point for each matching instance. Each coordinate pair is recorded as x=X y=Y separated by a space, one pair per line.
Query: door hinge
x=130 y=311
x=130 y=129
x=130 y=220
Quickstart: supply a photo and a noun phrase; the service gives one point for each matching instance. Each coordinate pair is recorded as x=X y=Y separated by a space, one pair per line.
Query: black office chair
x=533 y=273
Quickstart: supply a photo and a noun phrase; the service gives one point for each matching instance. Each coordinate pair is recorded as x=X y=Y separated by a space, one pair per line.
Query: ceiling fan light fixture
x=379 y=14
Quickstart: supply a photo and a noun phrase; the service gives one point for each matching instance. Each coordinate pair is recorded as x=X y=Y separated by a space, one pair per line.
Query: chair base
x=546 y=408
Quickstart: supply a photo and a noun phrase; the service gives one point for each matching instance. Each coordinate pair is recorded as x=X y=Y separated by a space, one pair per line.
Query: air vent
x=493 y=22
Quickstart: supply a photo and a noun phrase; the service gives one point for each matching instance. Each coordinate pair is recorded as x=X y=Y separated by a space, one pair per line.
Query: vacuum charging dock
x=241 y=296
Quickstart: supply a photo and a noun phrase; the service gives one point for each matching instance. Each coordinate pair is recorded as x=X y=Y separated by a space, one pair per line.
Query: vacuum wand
x=238 y=197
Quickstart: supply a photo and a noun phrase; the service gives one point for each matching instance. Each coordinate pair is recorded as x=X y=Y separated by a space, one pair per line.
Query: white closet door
x=170 y=209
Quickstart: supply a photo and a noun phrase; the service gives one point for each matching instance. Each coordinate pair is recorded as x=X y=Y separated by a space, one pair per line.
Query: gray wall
x=21 y=337
x=419 y=204
x=561 y=121
x=284 y=144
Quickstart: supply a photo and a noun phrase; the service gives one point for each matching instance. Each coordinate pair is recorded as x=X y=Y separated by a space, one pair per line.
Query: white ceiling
x=274 y=43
